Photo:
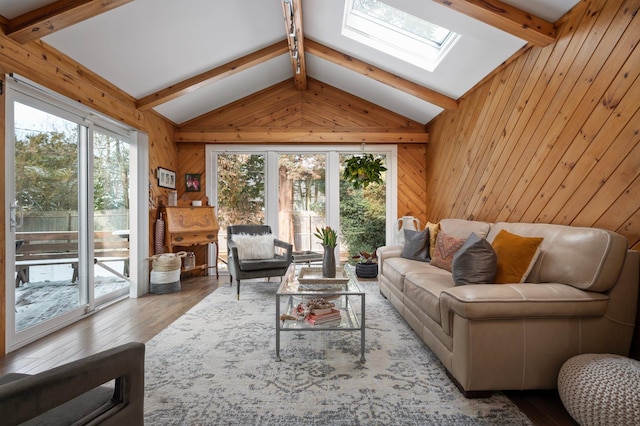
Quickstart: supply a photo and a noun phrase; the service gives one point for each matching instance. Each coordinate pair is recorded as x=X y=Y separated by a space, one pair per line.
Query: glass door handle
x=15 y=220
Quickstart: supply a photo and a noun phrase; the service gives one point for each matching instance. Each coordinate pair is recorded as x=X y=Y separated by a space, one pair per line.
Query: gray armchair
x=242 y=269
x=105 y=388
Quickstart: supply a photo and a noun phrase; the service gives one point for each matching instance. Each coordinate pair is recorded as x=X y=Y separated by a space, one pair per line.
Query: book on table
x=316 y=318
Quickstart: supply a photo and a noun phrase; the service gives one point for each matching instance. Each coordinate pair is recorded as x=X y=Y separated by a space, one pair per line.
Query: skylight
x=397 y=33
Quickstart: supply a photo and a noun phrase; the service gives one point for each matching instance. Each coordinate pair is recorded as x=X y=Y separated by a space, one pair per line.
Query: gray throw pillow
x=475 y=263
x=416 y=245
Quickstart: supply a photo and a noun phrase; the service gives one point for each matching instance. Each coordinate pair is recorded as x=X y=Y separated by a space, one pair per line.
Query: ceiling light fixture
x=295 y=39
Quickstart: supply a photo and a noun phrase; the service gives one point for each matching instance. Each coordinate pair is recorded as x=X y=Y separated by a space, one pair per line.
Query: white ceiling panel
x=148 y=45
x=216 y=95
x=479 y=50
x=370 y=90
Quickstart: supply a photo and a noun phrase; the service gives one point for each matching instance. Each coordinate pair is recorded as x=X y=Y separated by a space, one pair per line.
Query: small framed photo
x=192 y=182
x=166 y=178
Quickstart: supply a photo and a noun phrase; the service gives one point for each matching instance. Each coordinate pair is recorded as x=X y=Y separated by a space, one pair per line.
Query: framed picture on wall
x=192 y=182
x=166 y=178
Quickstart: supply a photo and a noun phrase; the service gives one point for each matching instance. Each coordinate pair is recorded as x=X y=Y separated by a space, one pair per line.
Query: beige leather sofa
x=580 y=297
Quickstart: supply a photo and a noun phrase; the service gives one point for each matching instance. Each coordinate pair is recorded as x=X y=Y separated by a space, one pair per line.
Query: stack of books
x=323 y=316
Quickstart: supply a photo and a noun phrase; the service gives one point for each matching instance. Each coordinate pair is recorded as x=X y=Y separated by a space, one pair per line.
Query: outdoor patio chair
x=255 y=253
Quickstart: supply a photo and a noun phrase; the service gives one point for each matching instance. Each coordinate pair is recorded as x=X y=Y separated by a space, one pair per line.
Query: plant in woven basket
x=363 y=170
x=365 y=257
x=367 y=264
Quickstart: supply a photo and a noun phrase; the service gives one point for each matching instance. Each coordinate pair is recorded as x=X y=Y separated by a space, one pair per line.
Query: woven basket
x=165 y=273
x=168 y=261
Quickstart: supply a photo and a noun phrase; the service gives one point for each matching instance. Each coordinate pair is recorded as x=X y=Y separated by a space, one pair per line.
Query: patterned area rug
x=216 y=366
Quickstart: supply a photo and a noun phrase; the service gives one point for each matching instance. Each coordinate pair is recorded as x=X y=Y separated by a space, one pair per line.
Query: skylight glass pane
x=397 y=33
x=402 y=21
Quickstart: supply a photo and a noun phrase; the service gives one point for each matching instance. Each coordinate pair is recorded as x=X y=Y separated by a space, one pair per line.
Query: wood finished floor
x=141 y=319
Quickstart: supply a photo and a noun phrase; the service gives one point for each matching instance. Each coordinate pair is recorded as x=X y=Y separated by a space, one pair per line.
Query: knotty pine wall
x=48 y=67
x=552 y=137
x=321 y=106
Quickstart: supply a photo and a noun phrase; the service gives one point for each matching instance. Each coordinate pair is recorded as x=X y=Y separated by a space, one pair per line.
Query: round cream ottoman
x=601 y=389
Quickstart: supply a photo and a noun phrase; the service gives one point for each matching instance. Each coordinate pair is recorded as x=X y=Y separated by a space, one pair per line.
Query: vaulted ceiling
x=186 y=58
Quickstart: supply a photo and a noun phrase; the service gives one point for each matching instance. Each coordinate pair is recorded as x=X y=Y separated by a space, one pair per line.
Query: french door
x=296 y=190
x=68 y=226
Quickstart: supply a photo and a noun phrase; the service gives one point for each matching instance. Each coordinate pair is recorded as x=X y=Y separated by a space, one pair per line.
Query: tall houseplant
x=329 y=240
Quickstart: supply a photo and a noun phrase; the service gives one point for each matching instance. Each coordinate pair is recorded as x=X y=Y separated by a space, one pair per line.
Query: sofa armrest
x=30 y=396
x=387 y=252
x=509 y=301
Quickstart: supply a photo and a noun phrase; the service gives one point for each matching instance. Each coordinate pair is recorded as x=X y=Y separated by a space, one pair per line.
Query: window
x=297 y=192
x=397 y=33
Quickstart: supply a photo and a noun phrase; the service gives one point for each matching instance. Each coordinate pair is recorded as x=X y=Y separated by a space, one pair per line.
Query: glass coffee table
x=304 y=287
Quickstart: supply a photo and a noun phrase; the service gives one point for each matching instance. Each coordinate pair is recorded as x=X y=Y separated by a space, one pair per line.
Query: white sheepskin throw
x=254 y=246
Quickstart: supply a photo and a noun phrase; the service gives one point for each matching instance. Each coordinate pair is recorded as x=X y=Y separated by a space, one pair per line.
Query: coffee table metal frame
x=292 y=295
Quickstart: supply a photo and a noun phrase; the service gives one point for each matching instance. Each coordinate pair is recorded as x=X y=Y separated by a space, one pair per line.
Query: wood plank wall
x=320 y=106
x=554 y=136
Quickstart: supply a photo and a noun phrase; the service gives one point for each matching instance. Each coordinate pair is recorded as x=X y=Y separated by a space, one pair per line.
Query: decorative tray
x=314 y=276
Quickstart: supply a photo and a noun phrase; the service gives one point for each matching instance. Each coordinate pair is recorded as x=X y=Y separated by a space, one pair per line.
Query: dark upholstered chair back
x=247 y=229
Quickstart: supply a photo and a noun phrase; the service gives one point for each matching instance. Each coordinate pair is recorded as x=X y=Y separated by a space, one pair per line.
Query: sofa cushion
x=396 y=269
x=424 y=288
x=446 y=247
x=259 y=264
x=516 y=256
x=475 y=262
x=460 y=228
x=416 y=245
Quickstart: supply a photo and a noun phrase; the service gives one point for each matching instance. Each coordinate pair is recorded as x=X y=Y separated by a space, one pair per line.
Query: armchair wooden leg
x=238 y=285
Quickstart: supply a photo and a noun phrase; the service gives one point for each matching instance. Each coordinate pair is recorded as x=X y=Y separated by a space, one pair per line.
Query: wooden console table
x=192 y=226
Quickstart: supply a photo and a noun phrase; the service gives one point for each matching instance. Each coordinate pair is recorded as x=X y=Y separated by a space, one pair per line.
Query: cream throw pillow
x=254 y=246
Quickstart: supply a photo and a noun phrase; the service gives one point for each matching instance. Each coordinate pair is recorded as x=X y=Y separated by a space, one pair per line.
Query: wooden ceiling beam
x=213 y=75
x=508 y=18
x=298 y=135
x=56 y=16
x=292 y=10
x=385 y=77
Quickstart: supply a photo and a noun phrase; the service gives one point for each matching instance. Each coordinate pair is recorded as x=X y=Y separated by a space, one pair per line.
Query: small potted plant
x=366 y=264
x=329 y=240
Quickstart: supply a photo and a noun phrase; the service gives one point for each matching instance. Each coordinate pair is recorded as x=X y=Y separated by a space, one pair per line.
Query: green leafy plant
x=366 y=257
x=363 y=170
x=327 y=235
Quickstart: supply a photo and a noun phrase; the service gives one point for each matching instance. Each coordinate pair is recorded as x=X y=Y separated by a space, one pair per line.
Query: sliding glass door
x=298 y=191
x=46 y=205
x=68 y=231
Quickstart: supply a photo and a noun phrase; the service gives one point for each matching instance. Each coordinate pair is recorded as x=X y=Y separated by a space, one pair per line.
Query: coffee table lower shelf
x=349 y=319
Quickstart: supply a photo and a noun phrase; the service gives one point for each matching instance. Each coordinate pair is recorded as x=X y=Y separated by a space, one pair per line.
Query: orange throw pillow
x=434 y=228
x=516 y=256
